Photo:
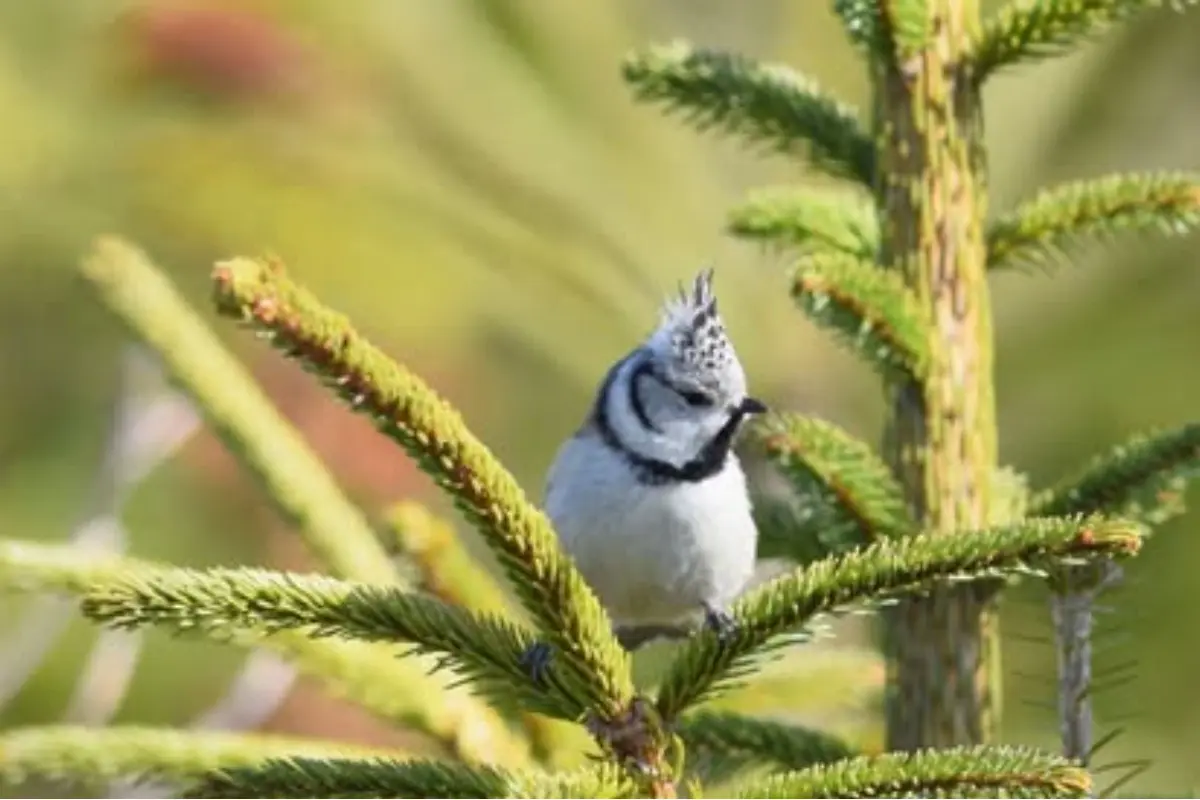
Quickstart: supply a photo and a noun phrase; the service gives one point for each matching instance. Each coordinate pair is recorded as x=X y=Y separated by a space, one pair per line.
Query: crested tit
x=646 y=496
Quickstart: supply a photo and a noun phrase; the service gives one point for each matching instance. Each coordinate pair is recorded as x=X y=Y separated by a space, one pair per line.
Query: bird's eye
x=696 y=399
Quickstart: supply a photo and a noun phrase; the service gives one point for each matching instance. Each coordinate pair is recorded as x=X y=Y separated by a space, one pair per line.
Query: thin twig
x=1071 y=606
x=149 y=423
x=101 y=688
x=253 y=696
x=27 y=647
x=144 y=432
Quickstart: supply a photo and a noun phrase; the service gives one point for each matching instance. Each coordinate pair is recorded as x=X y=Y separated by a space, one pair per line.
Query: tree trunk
x=941 y=437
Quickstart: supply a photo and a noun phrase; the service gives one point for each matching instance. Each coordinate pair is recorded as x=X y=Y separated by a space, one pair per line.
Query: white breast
x=651 y=553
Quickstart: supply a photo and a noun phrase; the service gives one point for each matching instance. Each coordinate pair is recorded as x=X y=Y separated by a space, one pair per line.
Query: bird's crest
x=691 y=329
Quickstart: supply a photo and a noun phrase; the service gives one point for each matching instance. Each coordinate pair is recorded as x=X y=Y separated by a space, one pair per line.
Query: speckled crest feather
x=693 y=327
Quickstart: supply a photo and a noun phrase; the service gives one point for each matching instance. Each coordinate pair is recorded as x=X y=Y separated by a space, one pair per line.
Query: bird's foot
x=720 y=622
x=536 y=662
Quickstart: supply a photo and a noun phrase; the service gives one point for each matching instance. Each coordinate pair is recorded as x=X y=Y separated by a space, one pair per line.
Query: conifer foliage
x=864 y=530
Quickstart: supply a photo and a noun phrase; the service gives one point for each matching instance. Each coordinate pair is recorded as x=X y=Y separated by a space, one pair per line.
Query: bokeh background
x=471 y=182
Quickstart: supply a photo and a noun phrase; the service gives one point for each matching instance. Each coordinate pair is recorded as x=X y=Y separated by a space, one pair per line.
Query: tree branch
x=706 y=665
x=809 y=221
x=1031 y=30
x=869 y=309
x=1143 y=478
x=486 y=649
x=403 y=407
x=450 y=573
x=1043 y=230
x=950 y=772
x=399 y=690
x=316 y=777
x=89 y=756
x=760 y=103
x=849 y=493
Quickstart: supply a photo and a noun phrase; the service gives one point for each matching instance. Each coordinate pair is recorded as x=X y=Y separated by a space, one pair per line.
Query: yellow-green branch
x=315 y=777
x=952 y=772
x=445 y=567
x=1144 y=478
x=238 y=411
x=839 y=475
x=868 y=309
x=406 y=409
x=767 y=103
x=450 y=573
x=486 y=649
x=1045 y=228
x=809 y=221
x=706 y=664
x=90 y=756
x=399 y=690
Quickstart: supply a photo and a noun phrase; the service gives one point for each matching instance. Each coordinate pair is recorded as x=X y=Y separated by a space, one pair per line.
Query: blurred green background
x=470 y=181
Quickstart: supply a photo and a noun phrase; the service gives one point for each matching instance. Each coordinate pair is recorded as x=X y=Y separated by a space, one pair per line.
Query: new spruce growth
x=927 y=529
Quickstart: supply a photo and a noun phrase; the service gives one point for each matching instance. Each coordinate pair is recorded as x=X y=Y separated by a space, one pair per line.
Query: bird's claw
x=536 y=661
x=722 y=623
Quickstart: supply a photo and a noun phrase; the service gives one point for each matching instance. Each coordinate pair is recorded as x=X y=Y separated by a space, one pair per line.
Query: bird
x=647 y=496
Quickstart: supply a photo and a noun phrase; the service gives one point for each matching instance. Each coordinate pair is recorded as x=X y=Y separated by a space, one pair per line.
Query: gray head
x=682 y=392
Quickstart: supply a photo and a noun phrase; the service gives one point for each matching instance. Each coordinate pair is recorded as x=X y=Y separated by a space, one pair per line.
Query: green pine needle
x=405 y=408
x=861 y=20
x=1010 y=496
x=870 y=310
x=908 y=21
x=761 y=103
x=881 y=26
x=706 y=665
x=977 y=771
x=729 y=736
x=314 y=777
x=483 y=648
x=1031 y=30
x=1143 y=479
x=791 y=526
x=397 y=690
x=1042 y=231
x=850 y=494
x=92 y=756
x=306 y=777
x=808 y=220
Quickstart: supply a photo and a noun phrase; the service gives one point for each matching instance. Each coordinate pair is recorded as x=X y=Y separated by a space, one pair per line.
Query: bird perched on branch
x=647 y=497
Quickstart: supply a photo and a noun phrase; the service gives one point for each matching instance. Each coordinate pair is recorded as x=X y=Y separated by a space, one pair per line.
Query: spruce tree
x=927 y=529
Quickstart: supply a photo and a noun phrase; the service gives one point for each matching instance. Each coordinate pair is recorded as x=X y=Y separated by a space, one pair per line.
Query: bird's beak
x=751 y=405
